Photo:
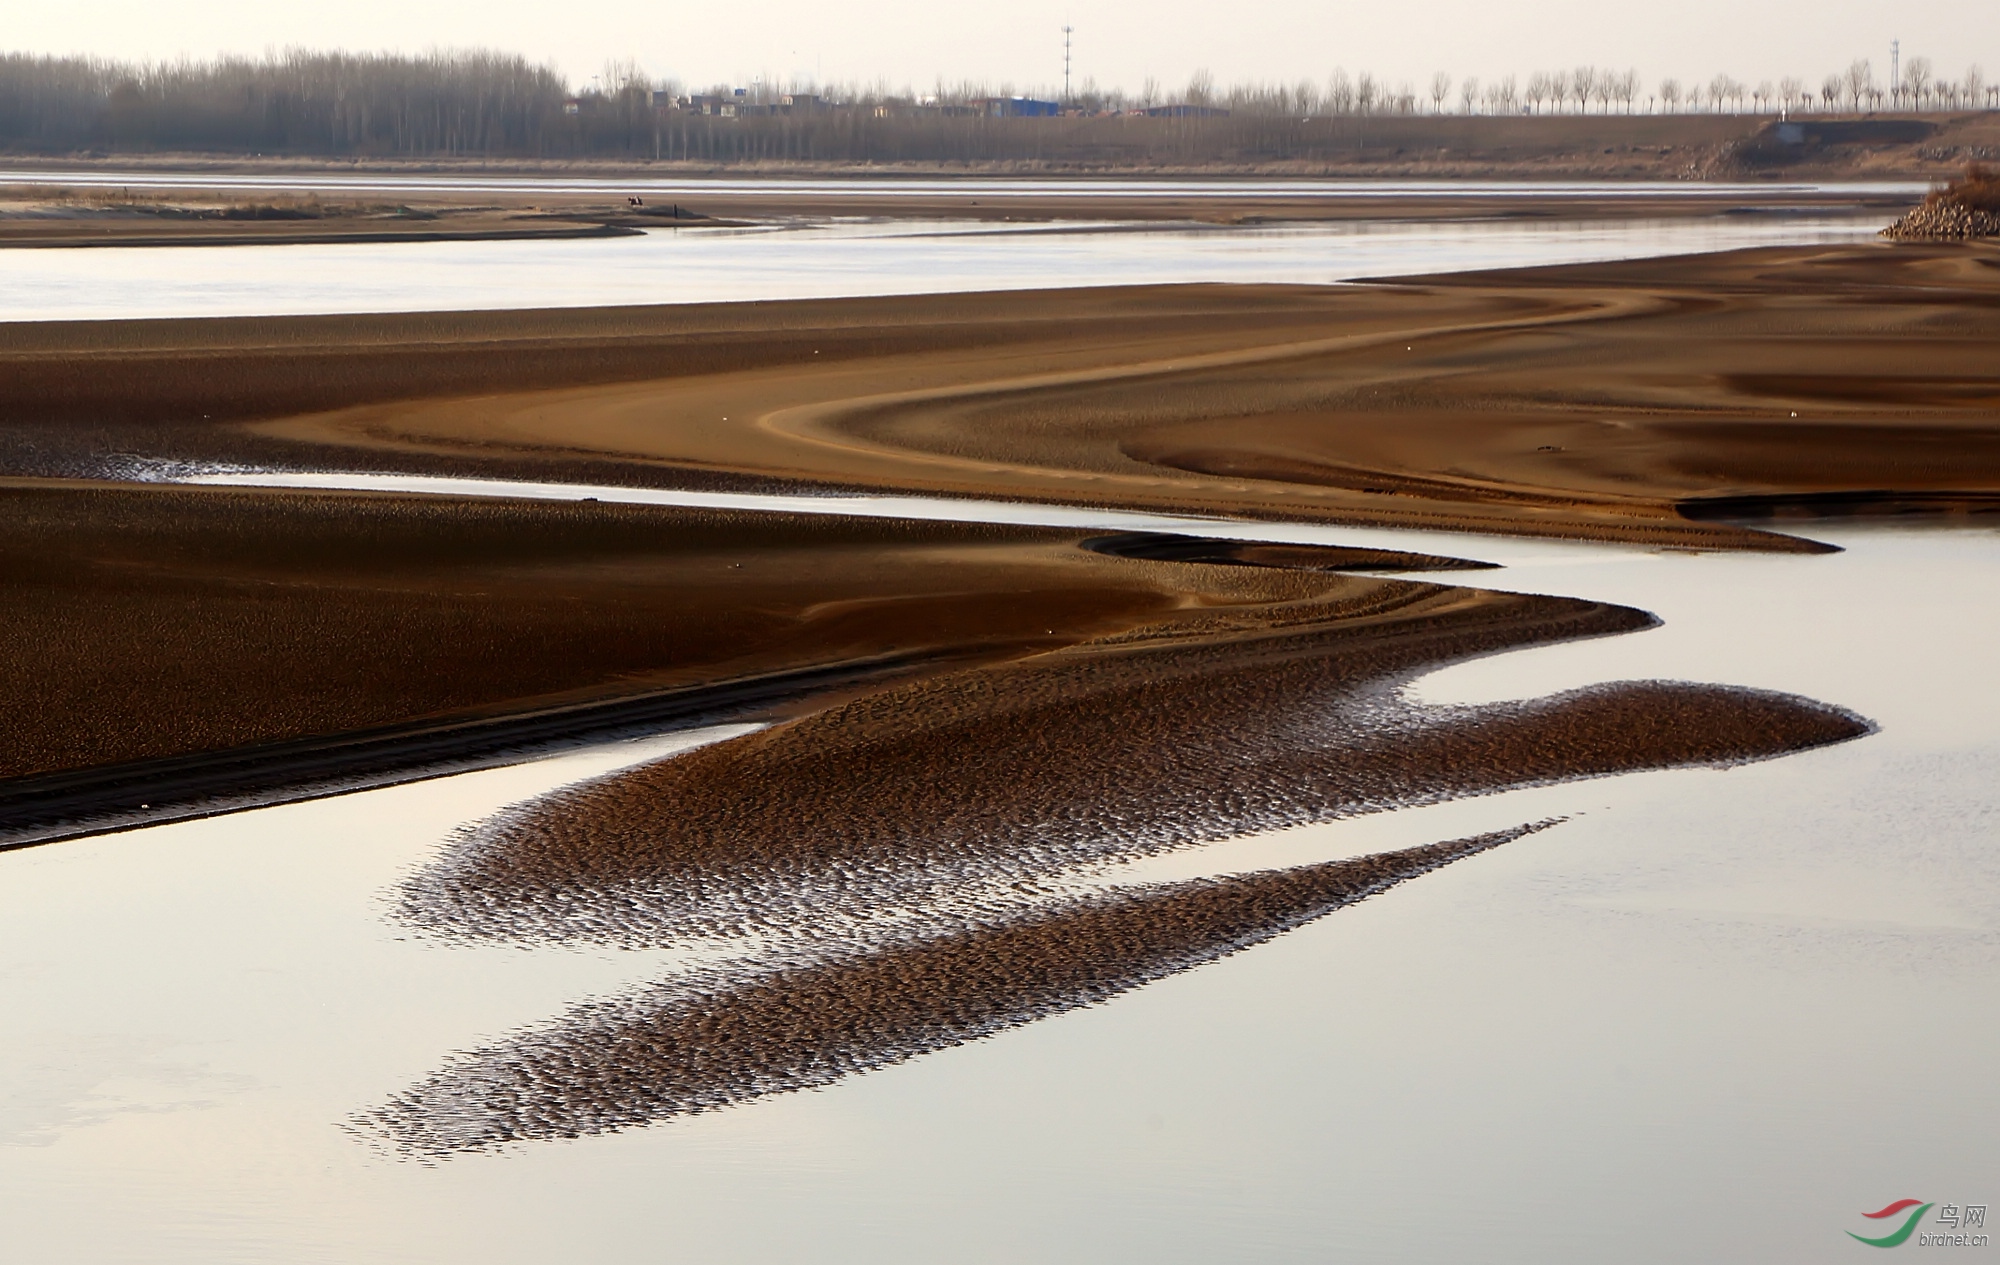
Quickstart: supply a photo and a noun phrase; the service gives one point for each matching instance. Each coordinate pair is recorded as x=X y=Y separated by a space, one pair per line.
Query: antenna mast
x=1066 y=30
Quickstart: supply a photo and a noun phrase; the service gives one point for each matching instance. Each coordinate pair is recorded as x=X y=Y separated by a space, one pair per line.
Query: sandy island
x=1647 y=401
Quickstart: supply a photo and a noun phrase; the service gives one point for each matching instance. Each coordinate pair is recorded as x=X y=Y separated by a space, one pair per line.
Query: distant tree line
x=324 y=103
x=502 y=105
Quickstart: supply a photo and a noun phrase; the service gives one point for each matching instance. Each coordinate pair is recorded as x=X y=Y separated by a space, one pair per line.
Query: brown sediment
x=1171 y=547
x=714 y=1038
x=1200 y=728
x=206 y=619
x=53 y=217
x=255 y=644
x=900 y=860
x=1591 y=401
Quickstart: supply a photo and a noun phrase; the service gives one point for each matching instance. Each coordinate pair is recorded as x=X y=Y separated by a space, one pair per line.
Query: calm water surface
x=829 y=259
x=1714 y=1015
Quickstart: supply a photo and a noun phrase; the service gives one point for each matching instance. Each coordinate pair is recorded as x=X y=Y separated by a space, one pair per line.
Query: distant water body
x=837 y=258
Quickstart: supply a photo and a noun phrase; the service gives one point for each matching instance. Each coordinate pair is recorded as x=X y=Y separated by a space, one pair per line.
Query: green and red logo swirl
x=1895 y=1237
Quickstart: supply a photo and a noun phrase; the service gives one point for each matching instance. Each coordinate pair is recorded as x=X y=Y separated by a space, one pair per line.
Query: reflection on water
x=1505 y=550
x=825 y=260
x=1712 y=1014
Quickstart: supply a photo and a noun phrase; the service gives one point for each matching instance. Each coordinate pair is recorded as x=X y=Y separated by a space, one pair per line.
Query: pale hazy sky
x=1020 y=41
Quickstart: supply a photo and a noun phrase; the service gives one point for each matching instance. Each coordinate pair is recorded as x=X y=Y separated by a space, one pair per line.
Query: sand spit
x=1169 y=547
x=260 y=646
x=53 y=216
x=1204 y=727
x=1597 y=401
x=715 y=1038
x=211 y=619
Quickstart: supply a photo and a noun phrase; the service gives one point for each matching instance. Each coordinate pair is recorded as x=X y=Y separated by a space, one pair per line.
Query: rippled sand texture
x=900 y=871
x=1200 y=729
x=725 y=1036
x=1618 y=401
x=1615 y=401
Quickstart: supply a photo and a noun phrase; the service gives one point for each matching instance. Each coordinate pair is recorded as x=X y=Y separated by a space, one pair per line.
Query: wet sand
x=1638 y=401
x=55 y=217
x=1197 y=728
x=721 y=1037
x=255 y=640
x=897 y=863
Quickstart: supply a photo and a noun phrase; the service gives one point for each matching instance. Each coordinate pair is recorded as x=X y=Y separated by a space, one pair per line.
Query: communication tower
x=1066 y=30
x=1895 y=68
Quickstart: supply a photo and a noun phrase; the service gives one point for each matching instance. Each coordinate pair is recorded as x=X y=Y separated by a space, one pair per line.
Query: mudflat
x=1644 y=401
x=99 y=214
x=239 y=637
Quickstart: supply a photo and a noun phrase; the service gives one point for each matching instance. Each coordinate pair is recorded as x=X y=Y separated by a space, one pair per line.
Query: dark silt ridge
x=716 y=1038
x=1200 y=730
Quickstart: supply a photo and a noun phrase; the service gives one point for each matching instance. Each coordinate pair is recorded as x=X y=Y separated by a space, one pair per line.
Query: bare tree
x=1858 y=82
x=1366 y=93
x=1975 y=85
x=1721 y=89
x=1558 y=88
x=1792 y=89
x=1917 y=79
x=1583 y=85
x=1670 y=95
x=1440 y=89
x=1468 y=94
x=1340 y=93
x=1537 y=91
x=1611 y=87
x=1829 y=92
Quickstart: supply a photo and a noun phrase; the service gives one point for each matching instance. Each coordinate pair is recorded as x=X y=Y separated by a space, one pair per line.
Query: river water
x=1712 y=1015
x=807 y=259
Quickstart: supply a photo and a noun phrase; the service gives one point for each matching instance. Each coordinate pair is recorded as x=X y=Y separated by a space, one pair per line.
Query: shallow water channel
x=808 y=259
x=1711 y=1015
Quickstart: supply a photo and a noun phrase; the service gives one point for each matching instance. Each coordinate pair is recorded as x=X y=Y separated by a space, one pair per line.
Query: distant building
x=1185 y=112
x=1019 y=108
x=715 y=104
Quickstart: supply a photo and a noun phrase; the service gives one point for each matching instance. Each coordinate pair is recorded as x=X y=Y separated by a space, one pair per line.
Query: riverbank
x=87 y=207
x=1542 y=146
